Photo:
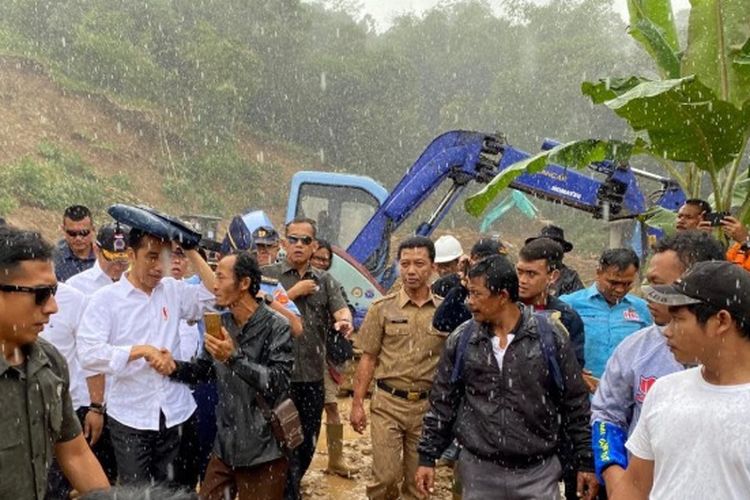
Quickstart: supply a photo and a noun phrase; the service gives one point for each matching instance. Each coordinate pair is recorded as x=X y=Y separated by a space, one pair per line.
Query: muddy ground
x=318 y=485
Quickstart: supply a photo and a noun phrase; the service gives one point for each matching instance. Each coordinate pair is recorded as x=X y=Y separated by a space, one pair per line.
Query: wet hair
x=417 y=242
x=140 y=492
x=543 y=249
x=17 y=246
x=76 y=213
x=691 y=247
x=245 y=266
x=324 y=244
x=619 y=258
x=499 y=274
x=486 y=247
x=703 y=205
x=137 y=237
x=303 y=220
x=703 y=312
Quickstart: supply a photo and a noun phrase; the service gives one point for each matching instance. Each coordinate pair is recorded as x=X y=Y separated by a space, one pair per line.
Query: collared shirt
x=120 y=316
x=67 y=264
x=61 y=331
x=90 y=280
x=317 y=311
x=36 y=412
x=401 y=335
x=605 y=325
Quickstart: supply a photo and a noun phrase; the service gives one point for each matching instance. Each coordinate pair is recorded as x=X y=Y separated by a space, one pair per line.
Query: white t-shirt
x=498 y=351
x=698 y=436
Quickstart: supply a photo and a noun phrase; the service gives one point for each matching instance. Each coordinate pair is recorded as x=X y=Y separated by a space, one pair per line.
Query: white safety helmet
x=447 y=248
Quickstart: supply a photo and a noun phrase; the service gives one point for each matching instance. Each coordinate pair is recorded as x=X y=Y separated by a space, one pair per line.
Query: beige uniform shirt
x=401 y=335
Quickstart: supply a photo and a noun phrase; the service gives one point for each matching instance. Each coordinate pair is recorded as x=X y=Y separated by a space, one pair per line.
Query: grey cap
x=721 y=284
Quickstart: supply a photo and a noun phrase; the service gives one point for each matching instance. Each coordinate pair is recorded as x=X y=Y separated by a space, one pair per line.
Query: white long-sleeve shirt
x=61 y=331
x=90 y=280
x=120 y=316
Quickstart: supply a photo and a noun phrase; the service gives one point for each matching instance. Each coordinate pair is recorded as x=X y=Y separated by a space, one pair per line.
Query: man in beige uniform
x=401 y=349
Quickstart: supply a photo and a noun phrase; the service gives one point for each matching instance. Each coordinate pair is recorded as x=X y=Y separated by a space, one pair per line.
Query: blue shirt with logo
x=605 y=325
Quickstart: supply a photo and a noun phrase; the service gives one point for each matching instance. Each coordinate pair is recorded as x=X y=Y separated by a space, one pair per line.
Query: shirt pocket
x=397 y=326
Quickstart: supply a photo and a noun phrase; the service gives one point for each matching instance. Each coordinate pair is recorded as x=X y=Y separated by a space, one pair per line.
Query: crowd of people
x=531 y=385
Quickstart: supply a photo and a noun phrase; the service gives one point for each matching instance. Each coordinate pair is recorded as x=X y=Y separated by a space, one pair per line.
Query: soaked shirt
x=317 y=311
x=36 y=413
x=401 y=335
x=605 y=325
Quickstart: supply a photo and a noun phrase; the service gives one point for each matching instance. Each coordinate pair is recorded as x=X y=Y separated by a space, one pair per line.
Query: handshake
x=160 y=360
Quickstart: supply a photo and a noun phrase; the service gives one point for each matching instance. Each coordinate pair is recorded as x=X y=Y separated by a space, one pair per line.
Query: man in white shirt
x=693 y=436
x=61 y=332
x=127 y=331
x=111 y=260
x=110 y=249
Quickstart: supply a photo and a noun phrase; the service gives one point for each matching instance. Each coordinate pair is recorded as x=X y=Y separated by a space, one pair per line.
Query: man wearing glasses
x=111 y=261
x=319 y=299
x=36 y=417
x=75 y=252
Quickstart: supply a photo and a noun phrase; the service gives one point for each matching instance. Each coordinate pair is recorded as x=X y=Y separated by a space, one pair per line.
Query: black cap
x=554 y=233
x=112 y=238
x=721 y=284
x=487 y=247
x=265 y=235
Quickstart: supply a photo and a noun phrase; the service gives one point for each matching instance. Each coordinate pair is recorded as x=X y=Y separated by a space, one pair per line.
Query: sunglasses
x=305 y=240
x=41 y=293
x=82 y=233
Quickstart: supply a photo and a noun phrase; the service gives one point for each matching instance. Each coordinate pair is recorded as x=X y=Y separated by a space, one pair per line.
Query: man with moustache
x=608 y=311
x=319 y=299
x=400 y=349
x=642 y=358
x=251 y=358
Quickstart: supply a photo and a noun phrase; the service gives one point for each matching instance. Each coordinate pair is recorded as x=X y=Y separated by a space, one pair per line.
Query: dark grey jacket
x=512 y=418
x=263 y=362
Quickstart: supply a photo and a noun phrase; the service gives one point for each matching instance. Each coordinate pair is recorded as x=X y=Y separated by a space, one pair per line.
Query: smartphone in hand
x=212 y=321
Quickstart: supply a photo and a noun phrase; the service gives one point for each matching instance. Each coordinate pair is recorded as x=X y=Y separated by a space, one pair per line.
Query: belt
x=399 y=393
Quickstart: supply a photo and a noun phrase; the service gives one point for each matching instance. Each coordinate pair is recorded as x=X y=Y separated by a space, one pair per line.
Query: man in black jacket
x=538 y=269
x=500 y=402
x=252 y=357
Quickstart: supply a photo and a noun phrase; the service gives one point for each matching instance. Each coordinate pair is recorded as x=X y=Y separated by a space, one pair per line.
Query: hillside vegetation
x=211 y=105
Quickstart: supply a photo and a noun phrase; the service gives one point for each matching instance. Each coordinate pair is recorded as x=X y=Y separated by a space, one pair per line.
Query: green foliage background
x=320 y=76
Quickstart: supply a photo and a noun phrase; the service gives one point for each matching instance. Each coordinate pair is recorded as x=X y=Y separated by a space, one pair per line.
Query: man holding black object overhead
x=128 y=330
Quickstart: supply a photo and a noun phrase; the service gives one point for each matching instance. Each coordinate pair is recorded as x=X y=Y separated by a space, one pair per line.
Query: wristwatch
x=100 y=408
x=268 y=299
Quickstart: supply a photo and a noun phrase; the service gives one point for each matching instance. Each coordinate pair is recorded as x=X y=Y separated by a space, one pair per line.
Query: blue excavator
x=358 y=216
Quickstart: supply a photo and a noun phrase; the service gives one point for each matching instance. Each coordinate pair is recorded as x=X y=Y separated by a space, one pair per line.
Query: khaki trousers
x=395 y=426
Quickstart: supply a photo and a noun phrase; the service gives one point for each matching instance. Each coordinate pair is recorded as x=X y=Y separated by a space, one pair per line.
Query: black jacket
x=568 y=282
x=263 y=362
x=452 y=312
x=513 y=418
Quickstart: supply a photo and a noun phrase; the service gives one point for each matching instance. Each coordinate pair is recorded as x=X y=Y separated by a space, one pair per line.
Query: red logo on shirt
x=643 y=387
x=631 y=315
x=164 y=313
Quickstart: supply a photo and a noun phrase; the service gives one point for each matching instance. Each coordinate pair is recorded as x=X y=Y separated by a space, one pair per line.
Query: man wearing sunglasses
x=321 y=303
x=111 y=262
x=36 y=417
x=75 y=251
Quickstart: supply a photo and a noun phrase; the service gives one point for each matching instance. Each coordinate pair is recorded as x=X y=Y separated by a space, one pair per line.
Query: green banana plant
x=694 y=121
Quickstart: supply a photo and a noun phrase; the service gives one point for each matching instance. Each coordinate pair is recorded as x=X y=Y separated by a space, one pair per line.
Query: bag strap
x=549 y=348
x=463 y=343
x=264 y=408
